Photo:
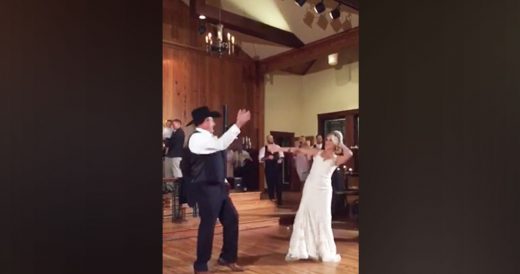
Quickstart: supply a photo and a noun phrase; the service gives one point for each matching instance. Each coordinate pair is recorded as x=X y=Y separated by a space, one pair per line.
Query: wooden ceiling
x=296 y=56
x=354 y=4
x=245 y=25
x=344 y=41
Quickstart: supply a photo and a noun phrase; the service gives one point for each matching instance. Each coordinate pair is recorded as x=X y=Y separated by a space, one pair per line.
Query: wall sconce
x=333 y=59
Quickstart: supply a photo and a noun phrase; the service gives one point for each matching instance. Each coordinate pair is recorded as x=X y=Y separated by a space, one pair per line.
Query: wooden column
x=260 y=113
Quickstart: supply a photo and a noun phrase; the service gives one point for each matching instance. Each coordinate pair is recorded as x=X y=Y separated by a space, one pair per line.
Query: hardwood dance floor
x=261 y=249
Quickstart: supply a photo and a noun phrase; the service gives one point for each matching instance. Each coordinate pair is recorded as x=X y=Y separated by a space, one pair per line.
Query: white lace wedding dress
x=312 y=230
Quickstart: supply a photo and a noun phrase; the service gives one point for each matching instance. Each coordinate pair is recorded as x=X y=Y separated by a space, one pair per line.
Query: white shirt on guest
x=239 y=158
x=166 y=132
x=261 y=154
x=206 y=143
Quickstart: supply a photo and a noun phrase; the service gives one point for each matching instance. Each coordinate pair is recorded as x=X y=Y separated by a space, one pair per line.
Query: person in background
x=174 y=145
x=240 y=156
x=240 y=159
x=167 y=129
x=230 y=159
x=273 y=170
x=297 y=143
x=302 y=162
x=230 y=174
x=301 y=139
x=166 y=133
x=319 y=142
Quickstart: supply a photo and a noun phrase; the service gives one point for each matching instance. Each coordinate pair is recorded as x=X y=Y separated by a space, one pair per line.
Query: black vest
x=210 y=168
x=268 y=153
x=271 y=163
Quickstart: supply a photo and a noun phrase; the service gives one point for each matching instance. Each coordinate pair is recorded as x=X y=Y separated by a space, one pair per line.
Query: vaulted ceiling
x=303 y=22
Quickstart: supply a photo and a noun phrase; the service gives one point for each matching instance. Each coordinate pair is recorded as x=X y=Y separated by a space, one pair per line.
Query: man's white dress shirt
x=166 y=132
x=206 y=143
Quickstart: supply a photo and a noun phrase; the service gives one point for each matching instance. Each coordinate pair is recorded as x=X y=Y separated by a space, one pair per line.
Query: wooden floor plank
x=262 y=242
x=263 y=251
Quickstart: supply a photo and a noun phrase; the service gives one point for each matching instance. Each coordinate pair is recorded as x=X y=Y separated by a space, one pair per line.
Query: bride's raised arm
x=347 y=153
x=306 y=151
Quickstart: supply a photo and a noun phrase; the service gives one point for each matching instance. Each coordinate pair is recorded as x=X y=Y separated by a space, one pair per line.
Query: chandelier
x=218 y=44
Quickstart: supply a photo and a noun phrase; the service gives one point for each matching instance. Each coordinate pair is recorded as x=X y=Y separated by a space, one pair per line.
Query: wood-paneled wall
x=192 y=78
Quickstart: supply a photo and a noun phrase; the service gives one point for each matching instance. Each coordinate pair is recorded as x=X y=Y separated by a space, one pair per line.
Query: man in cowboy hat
x=207 y=172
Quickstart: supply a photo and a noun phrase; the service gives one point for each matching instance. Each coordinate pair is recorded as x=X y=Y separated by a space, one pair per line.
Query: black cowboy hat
x=200 y=114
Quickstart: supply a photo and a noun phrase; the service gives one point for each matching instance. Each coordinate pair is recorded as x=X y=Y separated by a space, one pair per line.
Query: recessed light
x=299 y=2
x=335 y=13
x=320 y=7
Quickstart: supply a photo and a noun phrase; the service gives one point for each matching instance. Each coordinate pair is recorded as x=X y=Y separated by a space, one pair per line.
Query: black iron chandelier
x=217 y=43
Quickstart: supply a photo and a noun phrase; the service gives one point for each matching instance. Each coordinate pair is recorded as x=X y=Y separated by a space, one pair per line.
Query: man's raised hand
x=243 y=117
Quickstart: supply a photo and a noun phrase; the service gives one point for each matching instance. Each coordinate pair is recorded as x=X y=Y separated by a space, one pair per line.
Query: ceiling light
x=202 y=17
x=335 y=13
x=299 y=2
x=320 y=7
x=218 y=42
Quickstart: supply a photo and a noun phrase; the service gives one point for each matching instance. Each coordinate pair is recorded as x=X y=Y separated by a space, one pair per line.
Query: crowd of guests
x=273 y=168
x=239 y=162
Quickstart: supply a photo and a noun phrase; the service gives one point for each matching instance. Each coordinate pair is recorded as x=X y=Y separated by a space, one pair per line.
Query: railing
x=177 y=212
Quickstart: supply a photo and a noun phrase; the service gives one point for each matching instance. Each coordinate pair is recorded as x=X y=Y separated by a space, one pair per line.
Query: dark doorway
x=283 y=139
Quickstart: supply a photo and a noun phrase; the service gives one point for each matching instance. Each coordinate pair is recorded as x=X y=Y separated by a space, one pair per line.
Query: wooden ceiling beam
x=245 y=25
x=300 y=69
x=345 y=40
x=353 y=4
x=309 y=66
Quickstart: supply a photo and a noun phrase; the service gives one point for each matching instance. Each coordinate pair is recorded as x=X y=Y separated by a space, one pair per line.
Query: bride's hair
x=334 y=138
x=339 y=135
x=337 y=139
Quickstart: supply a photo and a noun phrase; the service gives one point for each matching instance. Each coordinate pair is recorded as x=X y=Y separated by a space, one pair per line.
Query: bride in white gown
x=312 y=229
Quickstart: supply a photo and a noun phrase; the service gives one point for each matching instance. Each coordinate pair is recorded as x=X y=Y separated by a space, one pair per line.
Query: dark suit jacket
x=175 y=144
